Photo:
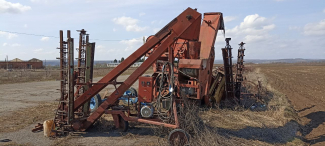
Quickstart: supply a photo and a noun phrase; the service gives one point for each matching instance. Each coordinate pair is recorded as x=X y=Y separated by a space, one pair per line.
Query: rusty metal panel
x=145 y=92
x=194 y=49
x=70 y=77
x=212 y=22
x=90 y=52
x=190 y=63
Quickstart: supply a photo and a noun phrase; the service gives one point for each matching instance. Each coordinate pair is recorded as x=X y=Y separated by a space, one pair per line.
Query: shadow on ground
x=281 y=134
x=316 y=119
x=109 y=130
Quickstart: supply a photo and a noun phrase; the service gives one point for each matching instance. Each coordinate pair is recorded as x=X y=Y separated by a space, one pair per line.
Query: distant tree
x=141 y=60
x=122 y=59
x=119 y=61
x=115 y=61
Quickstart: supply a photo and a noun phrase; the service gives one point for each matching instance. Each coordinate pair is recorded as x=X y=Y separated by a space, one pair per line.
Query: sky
x=271 y=29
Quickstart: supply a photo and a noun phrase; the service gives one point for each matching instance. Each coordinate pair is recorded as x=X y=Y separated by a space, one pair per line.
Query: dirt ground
x=23 y=105
x=17 y=98
x=304 y=86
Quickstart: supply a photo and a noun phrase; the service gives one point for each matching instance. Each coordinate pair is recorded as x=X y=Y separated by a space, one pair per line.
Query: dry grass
x=241 y=126
x=279 y=109
x=24 y=117
x=15 y=144
x=21 y=75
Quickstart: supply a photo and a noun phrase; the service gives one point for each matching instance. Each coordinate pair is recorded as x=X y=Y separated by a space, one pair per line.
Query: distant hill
x=255 y=61
x=266 y=61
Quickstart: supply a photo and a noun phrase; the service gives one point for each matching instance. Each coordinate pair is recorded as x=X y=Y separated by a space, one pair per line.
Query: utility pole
x=7 y=62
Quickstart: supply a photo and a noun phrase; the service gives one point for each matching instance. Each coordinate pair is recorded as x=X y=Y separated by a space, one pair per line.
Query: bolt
x=189 y=17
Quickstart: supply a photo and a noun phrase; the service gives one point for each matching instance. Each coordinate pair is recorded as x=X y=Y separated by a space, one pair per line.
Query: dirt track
x=20 y=96
x=304 y=86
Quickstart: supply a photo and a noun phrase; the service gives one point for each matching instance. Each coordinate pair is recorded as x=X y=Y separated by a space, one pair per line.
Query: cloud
x=114 y=29
x=25 y=25
x=155 y=30
x=129 y=23
x=133 y=44
x=315 y=29
x=294 y=28
x=324 y=11
x=11 y=45
x=35 y=1
x=229 y=18
x=100 y=47
x=8 y=35
x=13 y=8
x=142 y=14
x=37 y=50
x=156 y=22
x=41 y=51
x=45 y=39
x=253 y=28
x=15 y=45
x=103 y=50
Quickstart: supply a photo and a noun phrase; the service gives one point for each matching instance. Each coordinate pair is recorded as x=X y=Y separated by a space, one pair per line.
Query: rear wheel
x=95 y=102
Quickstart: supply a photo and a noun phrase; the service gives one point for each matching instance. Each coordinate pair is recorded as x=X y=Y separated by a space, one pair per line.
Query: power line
x=31 y=34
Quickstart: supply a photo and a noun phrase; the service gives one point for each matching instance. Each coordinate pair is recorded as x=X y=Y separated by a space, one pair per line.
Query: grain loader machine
x=181 y=55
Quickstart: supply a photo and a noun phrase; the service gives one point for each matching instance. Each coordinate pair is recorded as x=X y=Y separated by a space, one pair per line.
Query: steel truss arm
x=185 y=26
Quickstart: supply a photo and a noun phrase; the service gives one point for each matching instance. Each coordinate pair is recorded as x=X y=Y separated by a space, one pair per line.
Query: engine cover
x=147 y=111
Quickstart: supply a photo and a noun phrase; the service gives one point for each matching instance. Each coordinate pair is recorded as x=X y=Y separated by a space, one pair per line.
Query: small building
x=20 y=64
x=137 y=64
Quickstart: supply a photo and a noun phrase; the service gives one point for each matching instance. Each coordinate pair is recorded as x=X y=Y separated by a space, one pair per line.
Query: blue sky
x=271 y=29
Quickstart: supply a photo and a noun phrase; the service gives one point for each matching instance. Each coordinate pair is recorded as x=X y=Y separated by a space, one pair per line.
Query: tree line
x=122 y=59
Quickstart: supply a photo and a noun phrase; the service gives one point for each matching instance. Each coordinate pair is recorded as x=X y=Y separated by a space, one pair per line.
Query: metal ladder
x=81 y=77
x=227 y=59
x=61 y=115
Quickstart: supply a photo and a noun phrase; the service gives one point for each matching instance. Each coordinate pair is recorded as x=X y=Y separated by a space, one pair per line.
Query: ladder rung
x=61 y=111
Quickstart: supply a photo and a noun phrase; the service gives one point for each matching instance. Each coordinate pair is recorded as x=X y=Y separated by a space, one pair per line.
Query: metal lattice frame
x=227 y=60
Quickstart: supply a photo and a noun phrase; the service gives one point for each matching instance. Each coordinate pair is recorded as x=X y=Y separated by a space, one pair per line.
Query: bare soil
x=304 y=86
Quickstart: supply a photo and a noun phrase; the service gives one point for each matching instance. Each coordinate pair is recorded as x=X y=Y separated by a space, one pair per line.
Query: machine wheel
x=178 y=137
x=124 y=125
x=131 y=91
x=95 y=102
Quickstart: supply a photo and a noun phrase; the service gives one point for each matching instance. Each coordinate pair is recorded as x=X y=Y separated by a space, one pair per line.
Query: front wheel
x=178 y=137
x=124 y=125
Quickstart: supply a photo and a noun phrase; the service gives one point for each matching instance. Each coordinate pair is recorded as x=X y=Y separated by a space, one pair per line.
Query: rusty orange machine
x=181 y=55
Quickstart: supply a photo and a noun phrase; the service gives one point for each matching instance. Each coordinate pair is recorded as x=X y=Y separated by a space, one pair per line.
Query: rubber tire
x=124 y=125
x=181 y=131
x=98 y=101
x=133 y=91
